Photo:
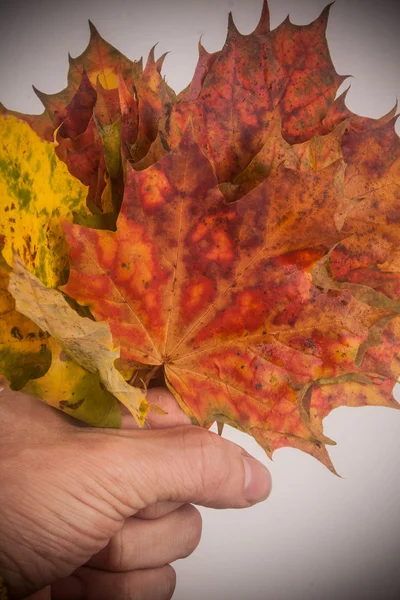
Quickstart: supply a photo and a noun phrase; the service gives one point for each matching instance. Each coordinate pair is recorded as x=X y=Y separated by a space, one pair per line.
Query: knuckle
x=215 y=463
x=192 y=527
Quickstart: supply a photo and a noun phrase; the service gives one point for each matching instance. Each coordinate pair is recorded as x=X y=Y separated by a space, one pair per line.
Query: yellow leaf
x=36 y=191
x=75 y=391
x=88 y=342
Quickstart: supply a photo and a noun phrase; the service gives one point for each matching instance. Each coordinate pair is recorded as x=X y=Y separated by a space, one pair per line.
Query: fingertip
x=257 y=482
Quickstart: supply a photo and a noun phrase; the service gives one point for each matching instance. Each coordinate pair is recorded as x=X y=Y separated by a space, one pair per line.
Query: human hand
x=107 y=509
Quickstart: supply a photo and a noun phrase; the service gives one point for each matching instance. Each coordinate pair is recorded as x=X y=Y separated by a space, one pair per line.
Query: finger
x=181 y=464
x=162 y=398
x=155 y=511
x=90 y=584
x=143 y=545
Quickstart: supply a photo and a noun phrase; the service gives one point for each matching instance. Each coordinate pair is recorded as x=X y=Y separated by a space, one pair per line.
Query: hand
x=107 y=509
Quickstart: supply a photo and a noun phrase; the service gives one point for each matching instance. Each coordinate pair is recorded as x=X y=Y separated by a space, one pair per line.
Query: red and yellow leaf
x=221 y=296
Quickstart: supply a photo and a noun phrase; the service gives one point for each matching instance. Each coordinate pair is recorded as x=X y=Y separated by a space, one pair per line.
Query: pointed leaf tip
x=200 y=46
x=342 y=78
x=395 y=107
x=263 y=25
x=93 y=30
x=344 y=93
x=160 y=61
x=232 y=29
x=151 y=57
x=324 y=16
x=41 y=95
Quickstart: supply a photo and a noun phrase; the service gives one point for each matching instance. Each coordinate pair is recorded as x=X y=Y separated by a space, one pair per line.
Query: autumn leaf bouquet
x=237 y=242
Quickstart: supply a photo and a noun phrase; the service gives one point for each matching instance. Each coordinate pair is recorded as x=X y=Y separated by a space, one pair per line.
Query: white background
x=318 y=536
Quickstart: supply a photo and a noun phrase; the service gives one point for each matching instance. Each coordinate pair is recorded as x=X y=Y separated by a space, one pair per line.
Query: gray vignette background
x=318 y=536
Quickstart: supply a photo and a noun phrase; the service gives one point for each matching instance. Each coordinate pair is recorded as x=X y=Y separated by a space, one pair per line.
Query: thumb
x=183 y=464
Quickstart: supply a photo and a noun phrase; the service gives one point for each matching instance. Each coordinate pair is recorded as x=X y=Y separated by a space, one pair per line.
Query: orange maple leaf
x=220 y=297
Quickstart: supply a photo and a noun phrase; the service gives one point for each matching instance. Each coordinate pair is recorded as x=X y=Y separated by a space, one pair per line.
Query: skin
x=99 y=514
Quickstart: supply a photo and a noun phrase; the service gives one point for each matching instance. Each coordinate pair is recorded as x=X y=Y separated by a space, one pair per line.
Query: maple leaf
x=220 y=296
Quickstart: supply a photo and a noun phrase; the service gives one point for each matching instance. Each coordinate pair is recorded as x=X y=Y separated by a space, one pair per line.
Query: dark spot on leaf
x=16 y=333
x=64 y=356
x=71 y=405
